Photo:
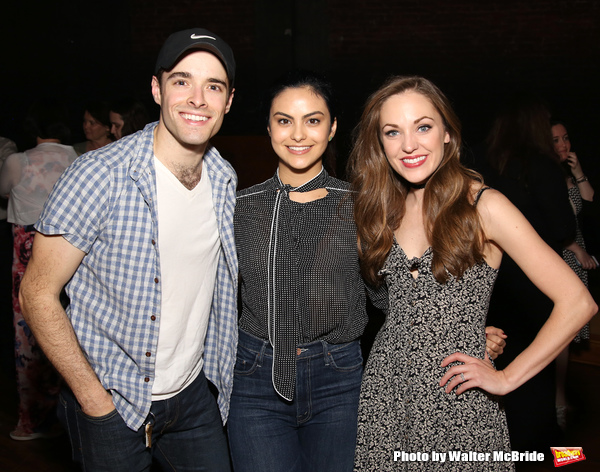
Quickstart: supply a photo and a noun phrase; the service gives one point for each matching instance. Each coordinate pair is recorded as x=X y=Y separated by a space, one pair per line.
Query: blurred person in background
x=27 y=178
x=96 y=126
x=126 y=117
x=521 y=156
x=574 y=253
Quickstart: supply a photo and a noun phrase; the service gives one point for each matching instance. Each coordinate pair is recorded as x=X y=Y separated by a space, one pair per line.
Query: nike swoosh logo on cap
x=199 y=36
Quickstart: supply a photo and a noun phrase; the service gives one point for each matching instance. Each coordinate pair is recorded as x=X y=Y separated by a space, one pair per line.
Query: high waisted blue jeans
x=316 y=431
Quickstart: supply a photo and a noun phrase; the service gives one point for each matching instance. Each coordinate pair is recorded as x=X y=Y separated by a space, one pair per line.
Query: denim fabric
x=187 y=435
x=315 y=431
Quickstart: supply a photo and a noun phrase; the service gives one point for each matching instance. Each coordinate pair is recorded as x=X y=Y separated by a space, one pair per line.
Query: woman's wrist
x=581 y=179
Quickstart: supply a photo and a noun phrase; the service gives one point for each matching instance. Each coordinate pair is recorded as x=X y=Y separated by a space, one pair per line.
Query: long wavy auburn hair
x=451 y=221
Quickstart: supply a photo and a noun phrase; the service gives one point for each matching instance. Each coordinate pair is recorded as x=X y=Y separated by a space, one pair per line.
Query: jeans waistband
x=313 y=349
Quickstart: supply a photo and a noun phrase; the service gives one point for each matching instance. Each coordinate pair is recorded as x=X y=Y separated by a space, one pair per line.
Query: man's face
x=193 y=99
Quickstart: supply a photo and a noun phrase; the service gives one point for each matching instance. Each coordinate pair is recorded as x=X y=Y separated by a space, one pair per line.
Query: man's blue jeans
x=187 y=435
x=314 y=432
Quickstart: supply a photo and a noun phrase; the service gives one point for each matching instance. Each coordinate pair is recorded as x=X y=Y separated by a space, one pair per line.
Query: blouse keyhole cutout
x=305 y=197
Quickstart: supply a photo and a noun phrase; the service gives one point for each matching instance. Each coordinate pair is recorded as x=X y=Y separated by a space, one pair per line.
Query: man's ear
x=229 y=100
x=156 y=90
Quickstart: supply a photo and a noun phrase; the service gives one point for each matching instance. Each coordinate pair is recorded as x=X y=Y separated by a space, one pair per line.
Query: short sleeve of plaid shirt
x=78 y=204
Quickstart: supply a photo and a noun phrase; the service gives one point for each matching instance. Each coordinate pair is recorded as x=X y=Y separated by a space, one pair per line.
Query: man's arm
x=53 y=262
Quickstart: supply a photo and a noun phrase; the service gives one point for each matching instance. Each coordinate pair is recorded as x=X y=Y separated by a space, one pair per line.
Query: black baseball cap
x=195 y=38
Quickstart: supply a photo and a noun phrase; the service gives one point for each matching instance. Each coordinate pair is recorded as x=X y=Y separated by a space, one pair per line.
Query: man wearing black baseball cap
x=182 y=41
x=141 y=233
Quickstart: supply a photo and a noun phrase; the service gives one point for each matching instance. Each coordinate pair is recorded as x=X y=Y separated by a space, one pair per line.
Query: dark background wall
x=477 y=52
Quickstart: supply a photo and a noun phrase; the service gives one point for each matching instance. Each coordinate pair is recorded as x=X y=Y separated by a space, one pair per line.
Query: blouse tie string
x=284 y=310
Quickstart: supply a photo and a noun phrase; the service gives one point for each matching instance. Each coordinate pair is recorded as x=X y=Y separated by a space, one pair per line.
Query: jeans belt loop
x=261 y=354
x=325 y=351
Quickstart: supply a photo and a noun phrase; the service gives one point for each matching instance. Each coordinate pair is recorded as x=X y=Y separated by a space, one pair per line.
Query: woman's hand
x=494 y=341
x=584 y=258
x=575 y=165
x=581 y=181
x=473 y=373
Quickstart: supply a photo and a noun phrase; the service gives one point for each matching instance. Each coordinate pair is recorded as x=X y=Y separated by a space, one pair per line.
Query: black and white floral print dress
x=402 y=406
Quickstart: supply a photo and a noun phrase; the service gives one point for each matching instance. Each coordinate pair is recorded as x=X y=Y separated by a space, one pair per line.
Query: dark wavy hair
x=134 y=115
x=100 y=111
x=451 y=221
x=520 y=132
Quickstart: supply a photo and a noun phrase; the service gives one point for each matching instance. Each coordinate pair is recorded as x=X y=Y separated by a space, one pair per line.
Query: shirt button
x=153 y=318
x=153 y=242
x=156 y=279
x=148 y=354
x=147 y=379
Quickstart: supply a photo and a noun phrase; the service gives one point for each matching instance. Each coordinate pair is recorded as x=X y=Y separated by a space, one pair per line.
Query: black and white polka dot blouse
x=299 y=270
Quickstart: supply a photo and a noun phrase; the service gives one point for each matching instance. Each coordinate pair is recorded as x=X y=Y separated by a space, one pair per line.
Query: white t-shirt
x=189 y=248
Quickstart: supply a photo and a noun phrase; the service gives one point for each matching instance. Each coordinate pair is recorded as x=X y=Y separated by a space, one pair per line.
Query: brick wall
x=476 y=51
x=153 y=20
x=466 y=30
x=453 y=38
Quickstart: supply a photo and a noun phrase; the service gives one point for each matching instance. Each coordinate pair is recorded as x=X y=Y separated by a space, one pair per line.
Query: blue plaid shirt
x=105 y=205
